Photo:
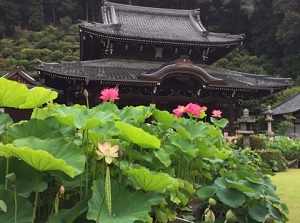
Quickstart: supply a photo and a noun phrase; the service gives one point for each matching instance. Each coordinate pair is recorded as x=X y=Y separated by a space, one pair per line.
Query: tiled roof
x=130 y=70
x=287 y=107
x=129 y=21
x=31 y=82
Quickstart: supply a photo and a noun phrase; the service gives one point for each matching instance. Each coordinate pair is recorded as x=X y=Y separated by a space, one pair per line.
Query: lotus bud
x=231 y=217
x=206 y=211
x=268 y=219
x=85 y=93
x=61 y=190
x=210 y=217
x=11 y=178
x=6 y=126
x=3 y=206
x=212 y=201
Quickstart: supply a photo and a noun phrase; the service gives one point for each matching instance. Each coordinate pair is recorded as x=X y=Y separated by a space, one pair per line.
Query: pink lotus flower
x=107 y=152
x=179 y=111
x=217 y=113
x=109 y=94
x=193 y=109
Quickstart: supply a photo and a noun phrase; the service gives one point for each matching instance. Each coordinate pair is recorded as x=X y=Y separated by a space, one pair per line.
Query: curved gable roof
x=145 y=23
x=153 y=72
x=287 y=107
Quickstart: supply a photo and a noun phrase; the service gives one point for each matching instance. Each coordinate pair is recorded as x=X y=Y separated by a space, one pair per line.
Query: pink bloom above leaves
x=107 y=152
x=109 y=94
x=179 y=111
x=193 y=109
x=217 y=113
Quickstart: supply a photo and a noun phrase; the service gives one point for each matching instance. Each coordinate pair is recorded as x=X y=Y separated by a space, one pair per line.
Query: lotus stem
x=7 y=158
x=101 y=205
x=16 y=203
x=86 y=164
x=36 y=198
x=108 y=191
x=6 y=172
x=81 y=180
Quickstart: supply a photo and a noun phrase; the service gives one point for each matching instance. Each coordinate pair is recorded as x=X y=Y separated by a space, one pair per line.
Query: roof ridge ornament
x=196 y=13
x=184 y=61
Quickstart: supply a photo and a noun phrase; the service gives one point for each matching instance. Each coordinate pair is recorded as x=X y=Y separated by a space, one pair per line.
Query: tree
x=36 y=12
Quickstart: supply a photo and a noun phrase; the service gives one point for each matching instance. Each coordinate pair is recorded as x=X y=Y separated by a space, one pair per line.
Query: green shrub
x=21 y=41
x=6 y=52
x=44 y=42
x=69 y=39
x=256 y=142
x=53 y=46
x=51 y=29
x=274 y=160
x=56 y=55
x=70 y=58
x=25 y=63
x=38 y=36
x=290 y=148
x=31 y=54
x=66 y=23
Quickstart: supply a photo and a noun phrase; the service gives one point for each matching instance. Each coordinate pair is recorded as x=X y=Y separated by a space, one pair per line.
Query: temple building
x=156 y=56
x=290 y=107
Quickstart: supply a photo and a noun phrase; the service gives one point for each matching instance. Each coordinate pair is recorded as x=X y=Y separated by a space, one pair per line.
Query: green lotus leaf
x=164 y=118
x=70 y=215
x=107 y=131
x=206 y=192
x=67 y=131
x=183 y=133
x=37 y=97
x=274 y=212
x=137 y=136
x=205 y=150
x=136 y=207
x=255 y=180
x=81 y=117
x=38 y=159
x=257 y=189
x=197 y=129
x=138 y=114
x=187 y=147
x=34 y=127
x=5 y=119
x=150 y=181
x=60 y=149
x=240 y=186
x=163 y=157
x=221 y=123
x=24 y=208
x=257 y=212
x=25 y=177
x=12 y=93
x=231 y=197
x=221 y=182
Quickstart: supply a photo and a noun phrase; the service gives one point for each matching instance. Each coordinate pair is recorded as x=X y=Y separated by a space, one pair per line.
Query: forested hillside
x=272 y=29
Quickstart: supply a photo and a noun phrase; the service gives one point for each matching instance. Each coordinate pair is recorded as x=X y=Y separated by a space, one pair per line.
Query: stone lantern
x=269 y=120
x=245 y=123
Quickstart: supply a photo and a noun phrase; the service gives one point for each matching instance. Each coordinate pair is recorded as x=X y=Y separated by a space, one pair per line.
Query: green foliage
x=240 y=187
x=161 y=162
x=256 y=142
x=44 y=42
x=66 y=23
x=6 y=52
x=289 y=148
x=274 y=160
